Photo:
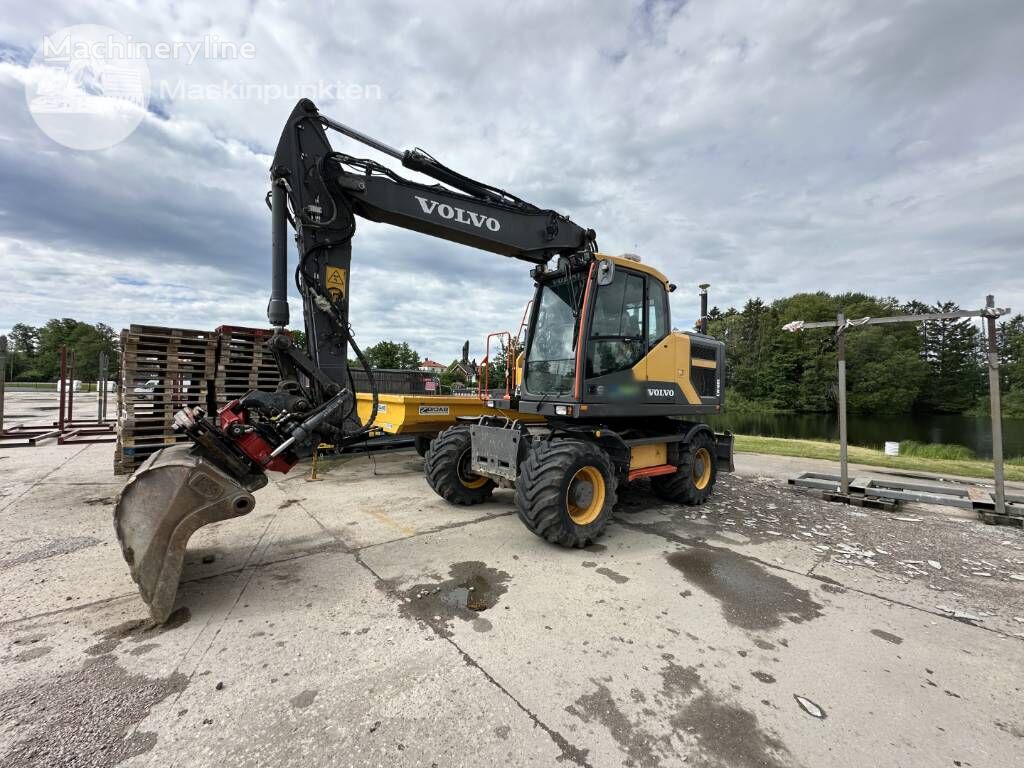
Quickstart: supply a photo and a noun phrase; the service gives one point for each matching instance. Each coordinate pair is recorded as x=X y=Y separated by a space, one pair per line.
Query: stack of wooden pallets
x=162 y=370
x=244 y=363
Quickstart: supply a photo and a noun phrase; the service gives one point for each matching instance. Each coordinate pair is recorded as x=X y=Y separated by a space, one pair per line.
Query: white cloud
x=845 y=146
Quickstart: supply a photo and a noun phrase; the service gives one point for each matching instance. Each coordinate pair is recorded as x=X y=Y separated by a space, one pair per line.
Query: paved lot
x=362 y=621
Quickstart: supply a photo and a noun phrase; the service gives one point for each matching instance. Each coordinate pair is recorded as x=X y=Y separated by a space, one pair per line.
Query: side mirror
x=605 y=272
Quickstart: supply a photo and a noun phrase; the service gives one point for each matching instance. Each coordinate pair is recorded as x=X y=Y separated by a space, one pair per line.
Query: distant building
x=431 y=366
x=468 y=368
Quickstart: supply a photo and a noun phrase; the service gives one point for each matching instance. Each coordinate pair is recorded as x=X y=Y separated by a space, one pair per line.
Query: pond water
x=874 y=431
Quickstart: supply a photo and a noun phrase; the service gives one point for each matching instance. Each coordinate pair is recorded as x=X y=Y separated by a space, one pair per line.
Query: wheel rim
x=467 y=477
x=701 y=472
x=584 y=499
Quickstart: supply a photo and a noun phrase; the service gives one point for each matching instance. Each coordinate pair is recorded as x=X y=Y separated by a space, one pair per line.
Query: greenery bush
x=738 y=403
x=935 y=450
x=1012 y=404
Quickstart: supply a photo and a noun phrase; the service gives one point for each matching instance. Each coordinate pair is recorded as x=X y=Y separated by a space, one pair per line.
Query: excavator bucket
x=171 y=496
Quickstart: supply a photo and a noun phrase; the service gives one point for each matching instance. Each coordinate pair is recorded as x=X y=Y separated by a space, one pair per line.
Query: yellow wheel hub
x=467 y=477
x=584 y=499
x=701 y=471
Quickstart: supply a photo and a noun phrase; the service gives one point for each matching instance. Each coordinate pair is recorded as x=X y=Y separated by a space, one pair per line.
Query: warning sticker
x=337 y=282
x=433 y=410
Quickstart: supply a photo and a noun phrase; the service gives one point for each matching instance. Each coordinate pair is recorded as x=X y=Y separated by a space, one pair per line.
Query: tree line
x=938 y=366
x=34 y=352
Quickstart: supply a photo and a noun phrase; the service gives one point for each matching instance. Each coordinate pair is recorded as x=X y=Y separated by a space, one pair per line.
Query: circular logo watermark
x=88 y=87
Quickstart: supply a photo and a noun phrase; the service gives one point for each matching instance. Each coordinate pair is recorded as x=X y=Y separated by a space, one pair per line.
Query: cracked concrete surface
x=362 y=621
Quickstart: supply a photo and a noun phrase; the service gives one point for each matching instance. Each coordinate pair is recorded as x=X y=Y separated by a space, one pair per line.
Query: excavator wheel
x=566 y=491
x=447 y=468
x=695 y=480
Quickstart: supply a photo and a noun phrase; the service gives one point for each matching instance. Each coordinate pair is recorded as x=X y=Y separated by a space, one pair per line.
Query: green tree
x=86 y=340
x=453 y=376
x=1010 y=337
x=24 y=345
x=797 y=371
x=392 y=354
x=951 y=349
x=497 y=366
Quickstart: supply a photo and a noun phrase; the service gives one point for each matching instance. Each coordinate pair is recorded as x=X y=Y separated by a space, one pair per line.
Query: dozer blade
x=172 y=495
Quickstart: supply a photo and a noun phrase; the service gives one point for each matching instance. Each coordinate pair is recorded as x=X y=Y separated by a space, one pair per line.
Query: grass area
x=936 y=450
x=812 y=449
x=50 y=385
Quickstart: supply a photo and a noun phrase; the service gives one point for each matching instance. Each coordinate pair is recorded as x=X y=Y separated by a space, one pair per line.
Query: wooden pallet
x=173 y=356
x=219 y=366
x=244 y=363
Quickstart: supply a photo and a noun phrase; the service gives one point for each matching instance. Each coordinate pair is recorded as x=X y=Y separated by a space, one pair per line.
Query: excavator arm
x=319 y=193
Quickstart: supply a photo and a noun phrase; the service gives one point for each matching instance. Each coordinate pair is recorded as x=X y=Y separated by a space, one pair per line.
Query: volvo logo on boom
x=460 y=215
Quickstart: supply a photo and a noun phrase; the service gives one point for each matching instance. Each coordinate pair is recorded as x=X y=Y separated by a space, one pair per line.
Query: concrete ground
x=360 y=620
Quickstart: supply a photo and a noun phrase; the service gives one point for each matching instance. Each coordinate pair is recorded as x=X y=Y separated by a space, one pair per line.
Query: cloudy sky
x=766 y=148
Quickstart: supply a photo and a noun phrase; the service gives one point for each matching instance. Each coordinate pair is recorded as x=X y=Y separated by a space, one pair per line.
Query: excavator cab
x=600 y=344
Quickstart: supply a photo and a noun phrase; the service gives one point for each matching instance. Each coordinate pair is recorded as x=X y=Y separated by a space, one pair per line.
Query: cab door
x=617 y=341
x=662 y=363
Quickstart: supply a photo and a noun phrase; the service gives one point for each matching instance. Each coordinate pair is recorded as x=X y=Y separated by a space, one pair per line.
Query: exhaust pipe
x=703 y=325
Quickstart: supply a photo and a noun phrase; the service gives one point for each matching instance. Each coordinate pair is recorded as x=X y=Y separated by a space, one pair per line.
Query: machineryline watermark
x=89 y=87
x=114 y=45
x=321 y=90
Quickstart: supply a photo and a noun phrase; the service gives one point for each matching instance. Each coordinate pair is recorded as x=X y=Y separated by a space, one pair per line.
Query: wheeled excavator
x=621 y=395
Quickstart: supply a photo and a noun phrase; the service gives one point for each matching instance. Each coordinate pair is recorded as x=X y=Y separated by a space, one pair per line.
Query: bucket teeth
x=171 y=496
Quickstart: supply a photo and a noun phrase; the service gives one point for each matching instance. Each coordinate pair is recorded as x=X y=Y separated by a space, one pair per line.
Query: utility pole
x=101 y=385
x=3 y=377
x=993 y=390
x=844 y=472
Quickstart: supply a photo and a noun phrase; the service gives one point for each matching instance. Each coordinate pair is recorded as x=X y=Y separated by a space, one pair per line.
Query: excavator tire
x=695 y=480
x=446 y=467
x=422 y=443
x=566 y=491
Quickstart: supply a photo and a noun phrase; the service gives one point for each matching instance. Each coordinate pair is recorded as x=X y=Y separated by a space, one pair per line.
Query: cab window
x=657 y=311
x=617 y=339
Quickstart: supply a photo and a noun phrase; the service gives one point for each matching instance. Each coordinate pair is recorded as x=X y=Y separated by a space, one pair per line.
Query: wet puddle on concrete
x=751 y=597
x=703 y=729
x=889 y=637
x=137 y=631
x=472 y=588
x=618 y=578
